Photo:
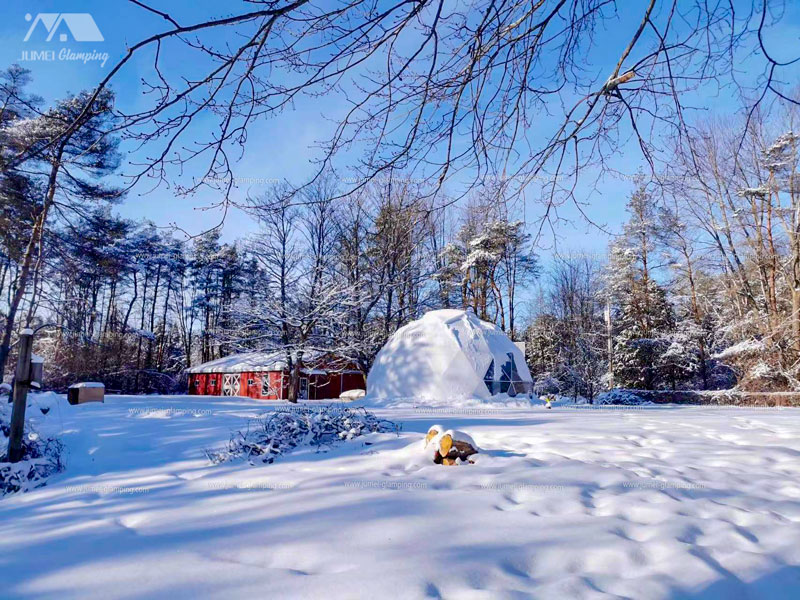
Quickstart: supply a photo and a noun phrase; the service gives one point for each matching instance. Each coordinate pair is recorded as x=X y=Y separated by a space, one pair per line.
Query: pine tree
x=644 y=322
x=66 y=151
x=679 y=361
x=543 y=344
x=215 y=274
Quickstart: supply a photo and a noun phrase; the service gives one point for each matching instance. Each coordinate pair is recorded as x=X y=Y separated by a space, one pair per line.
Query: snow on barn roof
x=240 y=363
x=255 y=362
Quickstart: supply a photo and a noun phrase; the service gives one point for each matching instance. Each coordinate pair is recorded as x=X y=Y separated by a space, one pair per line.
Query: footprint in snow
x=131 y=522
x=189 y=476
x=690 y=535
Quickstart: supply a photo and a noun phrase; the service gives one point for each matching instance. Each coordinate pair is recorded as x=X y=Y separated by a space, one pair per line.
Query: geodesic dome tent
x=448 y=354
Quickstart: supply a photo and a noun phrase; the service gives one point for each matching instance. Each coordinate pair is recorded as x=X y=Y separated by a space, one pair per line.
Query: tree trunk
x=796 y=317
x=294 y=381
x=27 y=261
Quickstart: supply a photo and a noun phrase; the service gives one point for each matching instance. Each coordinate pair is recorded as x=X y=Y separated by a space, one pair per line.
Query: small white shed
x=86 y=391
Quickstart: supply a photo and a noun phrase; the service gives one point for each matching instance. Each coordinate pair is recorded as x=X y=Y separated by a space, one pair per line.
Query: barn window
x=212 y=381
x=196 y=383
x=268 y=389
x=250 y=382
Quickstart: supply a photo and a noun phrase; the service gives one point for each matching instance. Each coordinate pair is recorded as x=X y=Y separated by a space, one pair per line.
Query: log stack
x=450 y=446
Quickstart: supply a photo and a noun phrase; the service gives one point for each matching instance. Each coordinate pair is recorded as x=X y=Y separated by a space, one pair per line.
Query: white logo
x=80 y=25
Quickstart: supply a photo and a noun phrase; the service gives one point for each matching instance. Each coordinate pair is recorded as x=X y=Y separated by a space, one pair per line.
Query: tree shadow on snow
x=782 y=584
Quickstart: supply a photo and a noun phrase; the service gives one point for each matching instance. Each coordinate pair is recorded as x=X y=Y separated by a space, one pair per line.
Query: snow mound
x=41 y=458
x=449 y=444
x=448 y=355
x=437 y=432
x=448 y=404
x=351 y=395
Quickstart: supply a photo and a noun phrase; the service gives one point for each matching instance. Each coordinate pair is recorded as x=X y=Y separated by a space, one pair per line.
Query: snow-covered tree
x=543 y=344
x=643 y=324
x=489 y=262
x=678 y=362
x=298 y=309
x=66 y=151
x=643 y=317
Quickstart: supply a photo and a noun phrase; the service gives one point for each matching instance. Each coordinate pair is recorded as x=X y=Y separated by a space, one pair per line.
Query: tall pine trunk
x=27 y=261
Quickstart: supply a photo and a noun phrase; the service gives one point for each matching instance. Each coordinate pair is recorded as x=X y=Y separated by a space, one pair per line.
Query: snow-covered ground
x=654 y=502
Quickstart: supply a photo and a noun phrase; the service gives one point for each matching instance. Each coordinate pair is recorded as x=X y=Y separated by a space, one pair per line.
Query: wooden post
x=21 y=385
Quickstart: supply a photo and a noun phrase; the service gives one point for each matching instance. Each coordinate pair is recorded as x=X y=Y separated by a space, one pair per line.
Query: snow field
x=656 y=502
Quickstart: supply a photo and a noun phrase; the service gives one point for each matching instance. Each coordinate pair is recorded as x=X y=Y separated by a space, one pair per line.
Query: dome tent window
x=510 y=381
x=488 y=379
x=505 y=377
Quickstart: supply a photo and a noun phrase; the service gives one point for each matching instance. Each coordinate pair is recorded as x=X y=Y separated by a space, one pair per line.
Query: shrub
x=285 y=430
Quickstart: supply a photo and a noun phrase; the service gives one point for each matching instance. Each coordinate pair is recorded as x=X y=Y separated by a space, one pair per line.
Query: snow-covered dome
x=448 y=354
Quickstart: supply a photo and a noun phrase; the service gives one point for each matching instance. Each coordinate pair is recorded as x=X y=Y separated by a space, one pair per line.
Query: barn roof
x=255 y=362
x=240 y=363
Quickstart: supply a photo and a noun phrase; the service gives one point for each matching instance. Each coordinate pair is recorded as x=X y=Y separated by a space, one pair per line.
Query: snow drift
x=448 y=354
x=658 y=503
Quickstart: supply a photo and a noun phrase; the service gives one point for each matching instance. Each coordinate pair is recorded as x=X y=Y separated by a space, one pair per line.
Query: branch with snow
x=284 y=431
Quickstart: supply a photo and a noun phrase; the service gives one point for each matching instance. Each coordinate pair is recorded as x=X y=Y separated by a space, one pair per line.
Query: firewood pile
x=450 y=447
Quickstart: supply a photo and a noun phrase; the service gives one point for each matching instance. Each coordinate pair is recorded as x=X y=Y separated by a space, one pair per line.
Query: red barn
x=265 y=376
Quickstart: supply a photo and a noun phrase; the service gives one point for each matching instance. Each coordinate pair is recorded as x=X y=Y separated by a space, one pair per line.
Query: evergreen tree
x=643 y=324
x=679 y=361
x=215 y=271
x=66 y=151
x=542 y=344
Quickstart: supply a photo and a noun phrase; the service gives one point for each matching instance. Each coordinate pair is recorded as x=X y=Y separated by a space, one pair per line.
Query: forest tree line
x=132 y=305
x=128 y=304
x=701 y=290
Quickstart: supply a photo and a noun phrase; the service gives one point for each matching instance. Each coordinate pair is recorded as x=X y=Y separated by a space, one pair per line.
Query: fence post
x=22 y=382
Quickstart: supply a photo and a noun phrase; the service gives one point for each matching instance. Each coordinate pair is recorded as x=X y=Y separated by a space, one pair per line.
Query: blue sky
x=282 y=147
x=278 y=148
